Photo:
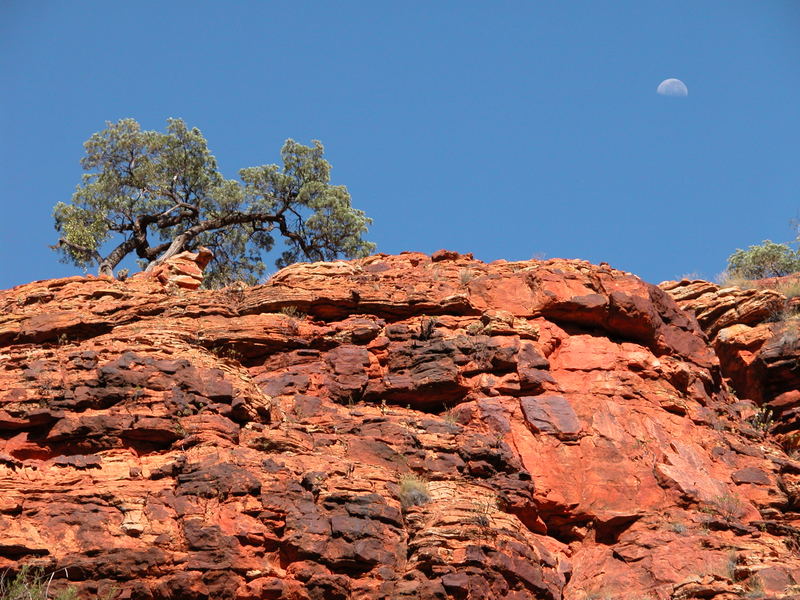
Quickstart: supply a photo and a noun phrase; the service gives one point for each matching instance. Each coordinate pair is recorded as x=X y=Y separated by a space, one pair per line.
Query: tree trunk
x=175 y=247
x=106 y=269
x=106 y=266
x=180 y=242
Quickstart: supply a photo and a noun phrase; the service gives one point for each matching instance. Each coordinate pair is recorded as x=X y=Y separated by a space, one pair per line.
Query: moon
x=672 y=87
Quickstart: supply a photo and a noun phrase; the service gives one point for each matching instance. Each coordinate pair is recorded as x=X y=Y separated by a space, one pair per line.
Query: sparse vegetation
x=693 y=276
x=179 y=429
x=465 y=276
x=32 y=584
x=228 y=352
x=293 y=312
x=483 y=513
x=754 y=587
x=727 y=279
x=762 y=420
x=791 y=443
x=727 y=506
x=413 y=491
x=730 y=566
x=427 y=328
x=779 y=314
x=790 y=289
x=449 y=416
x=677 y=527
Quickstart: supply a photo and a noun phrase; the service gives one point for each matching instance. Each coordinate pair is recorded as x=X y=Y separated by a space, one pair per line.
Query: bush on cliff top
x=764 y=260
x=157 y=194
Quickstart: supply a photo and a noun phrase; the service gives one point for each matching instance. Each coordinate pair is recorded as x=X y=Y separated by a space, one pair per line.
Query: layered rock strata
x=395 y=427
x=756 y=335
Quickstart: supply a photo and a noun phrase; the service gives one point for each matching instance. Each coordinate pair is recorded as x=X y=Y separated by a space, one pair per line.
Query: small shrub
x=293 y=312
x=693 y=276
x=483 y=513
x=779 y=314
x=754 y=587
x=413 y=491
x=228 y=352
x=465 y=276
x=32 y=584
x=449 y=416
x=427 y=328
x=179 y=430
x=232 y=354
x=731 y=564
x=677 y=527
x=727 y=506
x=762 y=420
x=765 y=260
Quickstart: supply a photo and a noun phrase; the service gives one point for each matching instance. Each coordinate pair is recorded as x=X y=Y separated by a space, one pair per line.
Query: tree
x=764 y=260
x=157 y=194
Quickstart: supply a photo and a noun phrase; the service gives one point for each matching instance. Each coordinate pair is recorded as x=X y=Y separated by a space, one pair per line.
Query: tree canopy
x=156 y=194
x=767 y=259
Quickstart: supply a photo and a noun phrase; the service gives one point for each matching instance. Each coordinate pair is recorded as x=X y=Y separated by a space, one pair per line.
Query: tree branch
x=77 y=248
x=106 y=266
x=181 y=241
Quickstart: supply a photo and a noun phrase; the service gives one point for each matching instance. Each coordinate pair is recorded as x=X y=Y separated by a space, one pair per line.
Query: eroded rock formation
x=756 y=335
x=394 y=427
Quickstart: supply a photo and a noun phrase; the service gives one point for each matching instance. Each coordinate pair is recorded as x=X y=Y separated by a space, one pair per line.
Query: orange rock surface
x=756 y=335
x=394 y=427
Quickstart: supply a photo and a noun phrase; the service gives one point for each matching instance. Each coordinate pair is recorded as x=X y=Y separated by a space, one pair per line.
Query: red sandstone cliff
x=756 y=335
x=568 y=426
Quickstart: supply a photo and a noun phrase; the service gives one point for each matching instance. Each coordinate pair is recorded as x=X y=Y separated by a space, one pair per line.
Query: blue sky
x=505 y=129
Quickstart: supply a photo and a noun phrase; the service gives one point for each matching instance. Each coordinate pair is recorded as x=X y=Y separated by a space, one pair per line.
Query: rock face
x=756 y=335
x=394 y=427
x=184 y=270
x=717 y=307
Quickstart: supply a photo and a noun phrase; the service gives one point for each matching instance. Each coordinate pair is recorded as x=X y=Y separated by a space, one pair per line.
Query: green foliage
x=32 y=584
x=765 y=260
x=762 y=420
x=156 y=194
